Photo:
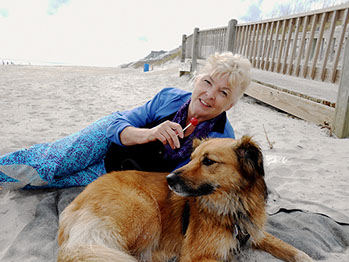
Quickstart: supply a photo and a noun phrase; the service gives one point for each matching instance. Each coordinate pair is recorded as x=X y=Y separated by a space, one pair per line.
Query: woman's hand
x=167 y=133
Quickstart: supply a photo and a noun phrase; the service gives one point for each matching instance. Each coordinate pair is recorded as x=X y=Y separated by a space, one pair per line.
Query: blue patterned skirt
x=75 y=160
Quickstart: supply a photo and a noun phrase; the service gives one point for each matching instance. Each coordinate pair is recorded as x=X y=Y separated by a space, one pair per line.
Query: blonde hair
x=235 y=67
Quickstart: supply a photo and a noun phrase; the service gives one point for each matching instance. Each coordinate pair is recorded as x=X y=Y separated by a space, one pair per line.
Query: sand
x=43 y=103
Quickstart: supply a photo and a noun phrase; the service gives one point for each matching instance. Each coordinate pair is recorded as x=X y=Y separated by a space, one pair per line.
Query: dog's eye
x=208 y=162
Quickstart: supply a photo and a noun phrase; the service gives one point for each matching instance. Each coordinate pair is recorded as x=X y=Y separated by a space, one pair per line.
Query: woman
x=148 y=138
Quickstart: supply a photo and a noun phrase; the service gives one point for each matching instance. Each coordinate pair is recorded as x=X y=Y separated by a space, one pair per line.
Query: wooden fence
x=309 y=45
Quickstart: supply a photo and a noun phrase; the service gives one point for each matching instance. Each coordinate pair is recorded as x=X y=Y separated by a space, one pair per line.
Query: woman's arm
x=166 y=102
x=165 y=132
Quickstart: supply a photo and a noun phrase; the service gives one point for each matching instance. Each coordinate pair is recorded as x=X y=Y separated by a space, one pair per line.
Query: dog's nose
x=172 y=179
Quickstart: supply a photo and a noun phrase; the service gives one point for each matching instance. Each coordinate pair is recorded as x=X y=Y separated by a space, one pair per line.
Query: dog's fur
x=204 y=211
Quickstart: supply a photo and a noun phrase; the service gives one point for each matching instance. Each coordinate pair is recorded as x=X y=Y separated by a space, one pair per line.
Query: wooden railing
x=209 y=42
x=308 y=45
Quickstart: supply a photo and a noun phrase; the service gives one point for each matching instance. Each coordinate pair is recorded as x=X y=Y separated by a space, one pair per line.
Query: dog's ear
x=197 y=142
x=250 y=157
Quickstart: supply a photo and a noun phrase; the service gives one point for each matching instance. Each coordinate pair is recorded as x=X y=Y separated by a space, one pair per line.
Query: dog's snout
x=172 y=178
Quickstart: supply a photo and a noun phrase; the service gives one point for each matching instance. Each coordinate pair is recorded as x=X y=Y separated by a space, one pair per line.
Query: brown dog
x=204 y=211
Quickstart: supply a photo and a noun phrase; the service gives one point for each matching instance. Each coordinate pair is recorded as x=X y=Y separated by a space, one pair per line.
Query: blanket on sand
x=316 y=234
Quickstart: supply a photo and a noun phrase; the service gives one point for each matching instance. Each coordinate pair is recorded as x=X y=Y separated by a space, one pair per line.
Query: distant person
x=148 y=138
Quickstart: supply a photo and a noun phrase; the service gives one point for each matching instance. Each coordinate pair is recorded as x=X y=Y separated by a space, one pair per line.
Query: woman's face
x=211 y=96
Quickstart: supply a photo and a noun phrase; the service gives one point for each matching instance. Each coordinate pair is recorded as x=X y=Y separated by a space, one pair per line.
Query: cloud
x=254 y=13
x=3 y=12
x=54 y=5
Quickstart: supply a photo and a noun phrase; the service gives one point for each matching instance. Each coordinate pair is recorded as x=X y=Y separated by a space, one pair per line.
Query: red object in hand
x=193 y=122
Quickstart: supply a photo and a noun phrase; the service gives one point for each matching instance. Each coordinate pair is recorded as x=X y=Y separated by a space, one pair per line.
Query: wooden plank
x=255 y=45
x=253 y=34
x=184 y=40
x=204 y=52
x=320 y=92
x=245 y=42
x=294 y=46
x=189 y=46
x=271 y=65
x=248 y=41
x=252 y=43
x=301 y=46
x=329 y=41
x=259 y=53
x=200 y=45
x=208 y=42
x=282 y=41
x=339 y=46
x=266 y=63
x=195 y=47
x=257 y=42
x=341 y=123
x=237 y=40
x=205 y=43
x=289 y=38
x=318 y=44
x=214 y=36
x=220 y=40
x=310 y=45
x=265 y=45
x=214 y=40
x=242 y=41
x=297 y=106
x=253 y=29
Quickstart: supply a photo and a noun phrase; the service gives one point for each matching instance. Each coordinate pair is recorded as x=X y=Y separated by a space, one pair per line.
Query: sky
x=114 y=32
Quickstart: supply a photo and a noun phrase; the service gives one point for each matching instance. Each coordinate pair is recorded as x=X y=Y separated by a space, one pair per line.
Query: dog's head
x=221 y=166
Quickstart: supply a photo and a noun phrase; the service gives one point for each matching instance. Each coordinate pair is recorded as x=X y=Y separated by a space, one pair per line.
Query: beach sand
x=40 y=104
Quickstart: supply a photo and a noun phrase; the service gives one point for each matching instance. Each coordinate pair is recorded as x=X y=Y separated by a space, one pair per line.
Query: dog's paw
x=302 y=257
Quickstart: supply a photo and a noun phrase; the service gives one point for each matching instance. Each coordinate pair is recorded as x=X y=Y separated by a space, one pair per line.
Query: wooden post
x=184 y=44
x=195 y=49
x=230 y=37
x=184 y=68
x=341 y=120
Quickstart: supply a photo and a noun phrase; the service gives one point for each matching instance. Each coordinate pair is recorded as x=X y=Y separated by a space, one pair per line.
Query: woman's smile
x=204 y=103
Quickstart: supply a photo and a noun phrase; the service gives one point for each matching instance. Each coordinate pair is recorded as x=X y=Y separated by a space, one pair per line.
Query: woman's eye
x=208 y=162
x=224 y=93
x=207 y=81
